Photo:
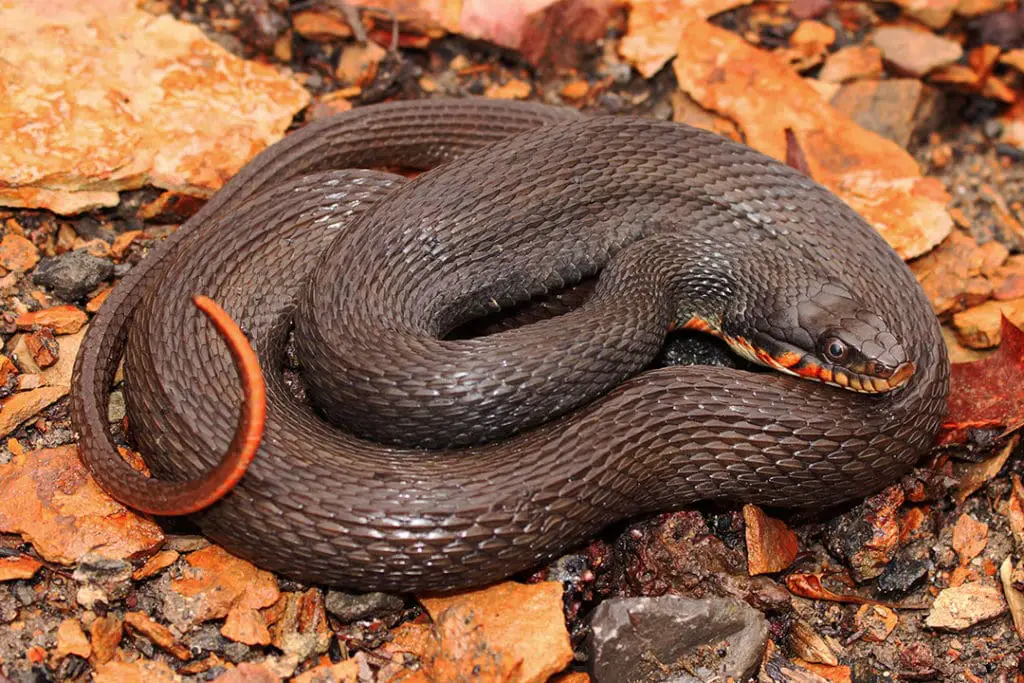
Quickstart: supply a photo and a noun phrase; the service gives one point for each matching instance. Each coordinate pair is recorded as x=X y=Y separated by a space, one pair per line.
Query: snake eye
x=836 y=350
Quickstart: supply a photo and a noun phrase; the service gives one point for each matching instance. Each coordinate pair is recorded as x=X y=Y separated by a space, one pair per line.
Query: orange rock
x=342 y=672
x=155 y=564
x=43 y=347
x=916 y=52
x=576 y=90
x=296 y=617
x=811 y=32
x=358 y=63
x=94 y=303
x=159 y=634
x=71 y=640
x=20 y=407
x=945 y=274
x=246 y=626
x=969 y=538
x=121 y=243
x=852 y=63
x=321 y=25
x=216 y=582
x=771 y=546
x=933 y=13
x=876 y=622
x=61 y=319
x=51 y=500
x=1014 y=58
x=760 y=92
x=138 y=671
x=652 y=34
x=17 y=253
x=105 y=634
x=497 y=632
x=833 y=674
x=248 y=672
x=18 y=567
x=980 y=327
x=177 y=76
x=515 y=89
x=960 y=607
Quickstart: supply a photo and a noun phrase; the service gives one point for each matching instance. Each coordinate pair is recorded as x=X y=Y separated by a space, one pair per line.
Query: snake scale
x=433 y=462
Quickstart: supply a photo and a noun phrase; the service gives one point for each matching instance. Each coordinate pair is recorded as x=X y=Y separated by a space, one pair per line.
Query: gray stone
x=73 y=275
x=349 y=607
x=670 y=638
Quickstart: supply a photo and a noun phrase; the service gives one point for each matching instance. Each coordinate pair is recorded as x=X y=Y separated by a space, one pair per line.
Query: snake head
x=829 y=336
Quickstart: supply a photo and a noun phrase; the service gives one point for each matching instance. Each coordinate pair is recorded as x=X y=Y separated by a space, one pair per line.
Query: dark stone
x=349 y=607
x=901 y=574
x=73 y=275
x=1005 y=29
x=673 y=638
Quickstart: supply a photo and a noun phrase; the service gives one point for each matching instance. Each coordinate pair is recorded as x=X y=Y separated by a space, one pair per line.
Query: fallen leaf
x=771 y=546
x=1014 y=598
x=960 y=607
x=762 y=94
x=987 y=393
x=972 y=476
x=809 y=645
x=969 y=538
x=72 y=138
x=810 y=586
x=1015 y=510
x=52 y=501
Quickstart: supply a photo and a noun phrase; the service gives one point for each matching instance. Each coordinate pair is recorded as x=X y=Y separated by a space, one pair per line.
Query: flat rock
x=914 y=52
x=900 y=109
x=674 y=638
x=960 y=607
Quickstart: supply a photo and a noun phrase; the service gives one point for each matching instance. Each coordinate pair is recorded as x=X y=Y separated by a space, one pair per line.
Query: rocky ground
x=912 y=112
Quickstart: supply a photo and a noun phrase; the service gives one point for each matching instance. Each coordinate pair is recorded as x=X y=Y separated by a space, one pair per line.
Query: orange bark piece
x=759 y=91
x=771 y=546
x=52 y=501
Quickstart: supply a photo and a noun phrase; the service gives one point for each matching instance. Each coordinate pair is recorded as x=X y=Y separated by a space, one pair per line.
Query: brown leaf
x=810 y=586
x=1014 y=598
x=52 y=501
x=771 y=546
x=988 y=393
x=761 y=93
x=969 y=538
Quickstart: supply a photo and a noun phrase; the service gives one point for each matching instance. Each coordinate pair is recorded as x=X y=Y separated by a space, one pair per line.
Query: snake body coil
x=538 y=436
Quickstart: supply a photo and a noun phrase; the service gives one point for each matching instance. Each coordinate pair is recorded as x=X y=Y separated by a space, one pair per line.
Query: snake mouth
x=868 y=377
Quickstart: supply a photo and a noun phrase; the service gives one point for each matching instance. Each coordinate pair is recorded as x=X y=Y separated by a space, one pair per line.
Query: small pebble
x=73 y=275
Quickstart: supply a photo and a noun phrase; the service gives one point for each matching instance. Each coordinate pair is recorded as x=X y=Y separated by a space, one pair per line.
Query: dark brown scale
x=677 y=221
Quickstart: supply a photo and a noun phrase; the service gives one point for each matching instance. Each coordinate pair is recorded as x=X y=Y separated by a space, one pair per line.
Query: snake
x=393 y=454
